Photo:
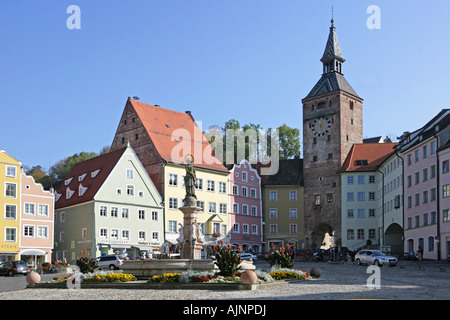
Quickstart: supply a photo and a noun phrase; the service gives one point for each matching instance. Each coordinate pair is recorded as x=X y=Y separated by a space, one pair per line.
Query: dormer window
x=81 y=178
x=69 y=193
x=362 y=162
x=67 y=181
x=94 y=173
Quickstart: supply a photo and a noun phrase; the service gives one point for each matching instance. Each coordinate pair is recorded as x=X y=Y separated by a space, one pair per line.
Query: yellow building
x=9 y=206
x=212 y=197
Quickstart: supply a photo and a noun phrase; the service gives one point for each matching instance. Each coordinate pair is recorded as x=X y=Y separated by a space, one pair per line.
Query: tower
x=332 y=123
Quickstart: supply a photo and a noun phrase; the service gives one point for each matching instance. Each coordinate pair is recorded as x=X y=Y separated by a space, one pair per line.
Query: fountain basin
x=145 y=269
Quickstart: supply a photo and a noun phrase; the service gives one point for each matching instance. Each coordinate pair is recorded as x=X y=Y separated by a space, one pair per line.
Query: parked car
x=375 y=257
x=247 y=256
x=12 y=268
x=111 y=262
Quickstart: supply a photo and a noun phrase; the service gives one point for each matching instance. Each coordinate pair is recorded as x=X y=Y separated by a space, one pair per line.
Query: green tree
x=289 y=141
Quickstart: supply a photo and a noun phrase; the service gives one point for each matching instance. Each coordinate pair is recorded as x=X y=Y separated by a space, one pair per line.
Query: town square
x=224 y=151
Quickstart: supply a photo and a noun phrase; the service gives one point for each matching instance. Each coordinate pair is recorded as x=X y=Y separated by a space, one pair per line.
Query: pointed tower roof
x=332 y=49
x=332 y=78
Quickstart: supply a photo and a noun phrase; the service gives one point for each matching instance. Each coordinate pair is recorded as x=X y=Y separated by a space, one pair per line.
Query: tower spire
x=332 y=58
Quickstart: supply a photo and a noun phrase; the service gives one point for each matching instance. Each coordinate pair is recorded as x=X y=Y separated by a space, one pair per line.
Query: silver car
x=375 y=257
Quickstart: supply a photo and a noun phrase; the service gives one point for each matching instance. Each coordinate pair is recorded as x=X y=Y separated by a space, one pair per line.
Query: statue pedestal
x=192 y=241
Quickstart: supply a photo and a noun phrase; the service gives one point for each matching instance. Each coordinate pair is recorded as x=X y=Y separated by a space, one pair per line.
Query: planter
x=249 y=277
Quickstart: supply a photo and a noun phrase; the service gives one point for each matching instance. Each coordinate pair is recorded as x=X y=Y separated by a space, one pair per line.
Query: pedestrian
x=420 y=253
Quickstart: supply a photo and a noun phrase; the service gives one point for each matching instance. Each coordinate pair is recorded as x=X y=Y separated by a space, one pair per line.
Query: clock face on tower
x=320 y=126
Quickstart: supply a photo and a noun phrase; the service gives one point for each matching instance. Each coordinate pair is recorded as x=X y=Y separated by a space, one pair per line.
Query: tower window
x=351 y=105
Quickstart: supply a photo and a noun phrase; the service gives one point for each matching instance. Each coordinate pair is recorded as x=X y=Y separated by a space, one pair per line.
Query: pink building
x=426 y=188
x=246 y=207
x=444 y=198
x=36 y=222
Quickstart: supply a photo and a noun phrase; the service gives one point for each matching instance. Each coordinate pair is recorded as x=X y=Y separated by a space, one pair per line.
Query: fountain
x=191 y=239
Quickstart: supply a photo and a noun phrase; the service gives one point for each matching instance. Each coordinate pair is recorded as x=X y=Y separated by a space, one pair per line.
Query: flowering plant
x=282 y=258
x=166 y=277
x=285 y=273
x=111 y=277
x=226 y=259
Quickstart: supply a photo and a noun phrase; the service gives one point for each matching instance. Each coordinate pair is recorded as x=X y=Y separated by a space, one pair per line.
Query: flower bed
x=166 y=277
x=289 y=274
x=110 y=277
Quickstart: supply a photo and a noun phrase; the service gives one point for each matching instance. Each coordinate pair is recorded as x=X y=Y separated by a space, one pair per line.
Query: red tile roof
x=165 y=126
x=374 y=153
x=104 y=163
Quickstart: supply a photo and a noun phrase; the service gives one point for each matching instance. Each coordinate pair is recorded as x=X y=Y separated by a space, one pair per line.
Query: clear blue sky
x=63 y=91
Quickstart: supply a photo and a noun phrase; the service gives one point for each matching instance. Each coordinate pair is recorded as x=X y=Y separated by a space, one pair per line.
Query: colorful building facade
x=246 y=208
x=36 y=222
x=10 y=206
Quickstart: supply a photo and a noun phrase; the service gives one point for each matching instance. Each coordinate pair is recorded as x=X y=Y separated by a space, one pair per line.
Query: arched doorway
x=393 y=238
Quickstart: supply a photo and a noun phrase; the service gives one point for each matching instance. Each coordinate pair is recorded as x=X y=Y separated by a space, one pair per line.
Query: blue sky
x=63 y=91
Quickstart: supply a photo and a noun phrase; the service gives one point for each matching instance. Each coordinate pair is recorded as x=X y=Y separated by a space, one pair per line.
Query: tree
x=289 y=141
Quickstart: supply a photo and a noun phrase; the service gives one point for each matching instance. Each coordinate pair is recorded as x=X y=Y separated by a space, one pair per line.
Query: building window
x=360 y=234
x=254 y=211
x=445 y=191
x=199 y=184
x=350 y=196
x=293 y=213
x=173 y=203
x=293 y=228
x=254 y=229
x=142 y=236
x=371 y=179
x=114 y=212
x=417 y=155
x=210 y=186
x=350 y=180
x=125 y=234
x=273 y=195
x=244 y=176
x=350 y=234
x=11 y=171
x=10 y=190
x=103 y=211
x=273 y=228
x=235 y=190
x=361 y=213
x=223 y=208
x=28 y=231
x=273 y=213
x=173 y=180
x=445 y=166
x=317 y=200
x=293 y=195
x=371 y=195
x=235 y=208
x=445 y=215
x=172 y=226
x=201 y=205
x=125 y=213
x=29 y=208
x=433 y=147
x=43 y=210
x=361 y=196
x=212 y=207
x=245 y=228
x=42 y=232
x=141 y=214
x=430 y=243
x=372 y=213
x=350 y=213
x=245 y=209
x=155 y=236
x=253 y=193
x=372 y=233
x=236 y=228
x=416 y=178
x=10 y=211
x=222 y=187
x=130 y=190
x=244 y=191
x=424 y=152
x=129 y=173
x=329 y=197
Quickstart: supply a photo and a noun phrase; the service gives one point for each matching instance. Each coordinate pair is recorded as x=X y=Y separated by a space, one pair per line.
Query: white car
x=375 y=257
x=111 y=262
x=247 y=256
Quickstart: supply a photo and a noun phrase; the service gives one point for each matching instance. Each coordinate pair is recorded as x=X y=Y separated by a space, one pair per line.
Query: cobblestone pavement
x=410 y=280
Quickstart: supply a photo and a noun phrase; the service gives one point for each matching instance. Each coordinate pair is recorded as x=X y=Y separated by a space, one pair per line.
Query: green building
x=108 y=204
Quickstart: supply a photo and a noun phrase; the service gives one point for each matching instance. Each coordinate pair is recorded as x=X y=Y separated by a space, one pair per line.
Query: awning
x=32 y=252
x=145 y=247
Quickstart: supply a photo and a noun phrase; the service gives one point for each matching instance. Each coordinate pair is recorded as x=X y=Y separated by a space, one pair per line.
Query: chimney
x=188 y=112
